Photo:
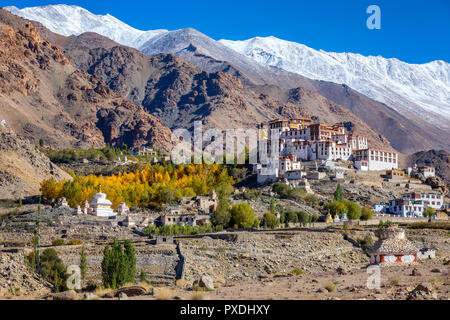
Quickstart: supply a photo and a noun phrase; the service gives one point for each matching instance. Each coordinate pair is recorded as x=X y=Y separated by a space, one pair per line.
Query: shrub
x=222 y=215
x=250 y=194
x=366 y=242
x=270 y=221
x=58 y=242
x=297 y=271
x=335 y=208
x=74 y=242
x=282 y=189
x=143 y=276
x=242 y=216
x=353 y=210
x=329 y=286
x=304 y=218
x=291 y=216
x=53 y=269
x=394 y=280
x=296 y=194
x=366 y=213
x=311 y=200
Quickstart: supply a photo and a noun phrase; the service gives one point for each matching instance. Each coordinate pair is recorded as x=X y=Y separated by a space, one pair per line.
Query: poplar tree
x=83 y=264
x=339 y=194
x=130 y=261
x=35 y=263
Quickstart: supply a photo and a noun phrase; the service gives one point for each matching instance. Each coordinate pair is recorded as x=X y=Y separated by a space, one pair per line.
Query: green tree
x=272 y=206
x=282 y=216
x=291 y=216
x=222 y=216
x=83 y=263
x=53 y=269
x=339 y=194
x=335 y=208
x=428 y=212
x=353 y=210
x=143 y=276
x=270 y=221
x=366 y=213
x=130 y=260
x=242 y=215
x=114 y=266
x=41 y=142
x=304 y=218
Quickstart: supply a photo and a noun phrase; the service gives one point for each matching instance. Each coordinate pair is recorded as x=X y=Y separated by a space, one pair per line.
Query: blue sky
x=412 y=31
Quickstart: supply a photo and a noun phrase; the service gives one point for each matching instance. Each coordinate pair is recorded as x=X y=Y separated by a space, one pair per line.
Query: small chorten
x=392 y=248
x=329 y=218
x=344 y=217
x=123 y=209
x=336 y=218
x=100 y=206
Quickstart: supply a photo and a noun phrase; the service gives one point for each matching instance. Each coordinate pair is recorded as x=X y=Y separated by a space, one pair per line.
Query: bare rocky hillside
x=42 y=95
x=23 y=167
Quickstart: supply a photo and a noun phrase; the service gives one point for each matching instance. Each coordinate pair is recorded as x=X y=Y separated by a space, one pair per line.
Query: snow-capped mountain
x=423 y=89
x=420 y=93
x=73 y=20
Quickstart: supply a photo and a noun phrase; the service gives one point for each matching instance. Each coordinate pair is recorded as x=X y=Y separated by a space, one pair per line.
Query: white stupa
x=100 y=206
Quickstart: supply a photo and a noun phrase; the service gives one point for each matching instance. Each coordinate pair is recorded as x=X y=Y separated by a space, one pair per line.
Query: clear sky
x=412 y=31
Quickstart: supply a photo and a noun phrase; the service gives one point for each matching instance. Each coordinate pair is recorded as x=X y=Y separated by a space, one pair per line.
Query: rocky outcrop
x=23 y=167
x=440 y=159
x=43 y=95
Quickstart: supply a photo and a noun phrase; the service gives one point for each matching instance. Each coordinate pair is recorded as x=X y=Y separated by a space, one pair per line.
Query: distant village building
x=414 y=204
x=427 y=171
x=395 y=174
x=302 y=140
x=176 y=217
x=393 y=248
x=440 y=216
x=143 y=151
x=380 y=207
x=371 y=159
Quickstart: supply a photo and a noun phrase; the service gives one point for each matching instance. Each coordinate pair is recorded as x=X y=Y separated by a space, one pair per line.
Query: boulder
x=424 y=290
x=123 y=296
x=90 y=296
x=206 y=282
x=132 y=291
x=63 y=296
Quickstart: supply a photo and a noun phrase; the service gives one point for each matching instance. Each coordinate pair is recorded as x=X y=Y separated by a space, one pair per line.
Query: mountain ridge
x=408 y=132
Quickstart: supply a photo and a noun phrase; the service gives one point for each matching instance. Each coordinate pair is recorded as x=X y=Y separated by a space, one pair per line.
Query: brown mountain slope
x=406 y=132
x=42 y=95
x=437 y=158
x=180 y=93
x=23 y=167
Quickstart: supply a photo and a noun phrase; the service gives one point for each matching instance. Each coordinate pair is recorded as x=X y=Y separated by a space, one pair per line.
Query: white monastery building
x=301 y=140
